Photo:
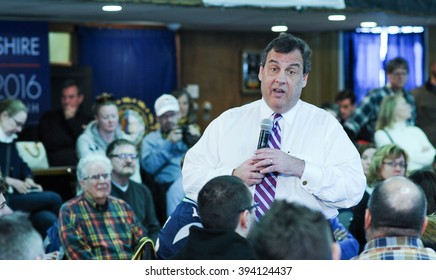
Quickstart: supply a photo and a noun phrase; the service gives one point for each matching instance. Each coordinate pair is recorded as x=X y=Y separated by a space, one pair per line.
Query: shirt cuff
x=311 y=178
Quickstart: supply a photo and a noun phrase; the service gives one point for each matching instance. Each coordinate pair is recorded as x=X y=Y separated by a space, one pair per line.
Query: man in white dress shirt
x=317 y=164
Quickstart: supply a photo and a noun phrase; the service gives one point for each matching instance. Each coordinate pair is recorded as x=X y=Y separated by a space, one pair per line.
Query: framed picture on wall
x=250 y=71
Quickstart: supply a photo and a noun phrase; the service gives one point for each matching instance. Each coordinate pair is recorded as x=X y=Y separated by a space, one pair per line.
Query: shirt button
x=304 y=183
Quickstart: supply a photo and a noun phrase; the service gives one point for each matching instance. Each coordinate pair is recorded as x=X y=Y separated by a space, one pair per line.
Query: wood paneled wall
x=213 y=61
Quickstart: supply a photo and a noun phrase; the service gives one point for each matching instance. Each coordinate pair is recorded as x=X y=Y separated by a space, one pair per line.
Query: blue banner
x=24 y=65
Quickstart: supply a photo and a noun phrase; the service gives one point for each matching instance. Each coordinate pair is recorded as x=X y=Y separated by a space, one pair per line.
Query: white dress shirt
x=333 y=175
x=412 y=140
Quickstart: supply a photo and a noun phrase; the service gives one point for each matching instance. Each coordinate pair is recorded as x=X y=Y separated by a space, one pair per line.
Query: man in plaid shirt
x=94 y=225
x=394 y=222
x=361 y=125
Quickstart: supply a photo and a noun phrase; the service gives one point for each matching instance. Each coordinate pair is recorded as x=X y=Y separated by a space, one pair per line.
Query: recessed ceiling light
x=368 y=24
x=279 y=28
x=112 y=8
x=337 y=17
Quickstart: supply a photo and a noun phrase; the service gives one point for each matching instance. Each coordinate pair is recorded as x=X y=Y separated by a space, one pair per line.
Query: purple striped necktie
x=265 y=191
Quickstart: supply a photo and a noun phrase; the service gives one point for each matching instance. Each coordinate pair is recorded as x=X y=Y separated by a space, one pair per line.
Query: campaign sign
x=24 y=66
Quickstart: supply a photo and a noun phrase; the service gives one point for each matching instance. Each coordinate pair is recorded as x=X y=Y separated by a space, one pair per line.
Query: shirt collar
x=122 y=188
x=266 y=112
x=394 y=241
x=96 y=206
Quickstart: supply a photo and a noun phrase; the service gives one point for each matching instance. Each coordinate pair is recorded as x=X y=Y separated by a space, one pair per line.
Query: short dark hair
x=395 y=63
x=291 y=231
x=221 y=201
x=116 y=143
x=426 y=179
x=346 y=94
x=69 y=83
x=18 y=239
x=395 y=211
x=286 y=43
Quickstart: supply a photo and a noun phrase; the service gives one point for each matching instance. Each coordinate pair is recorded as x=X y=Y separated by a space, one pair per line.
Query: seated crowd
x=128 y=190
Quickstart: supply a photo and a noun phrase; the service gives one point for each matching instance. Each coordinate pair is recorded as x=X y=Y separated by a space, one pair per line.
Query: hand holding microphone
x=266 y=126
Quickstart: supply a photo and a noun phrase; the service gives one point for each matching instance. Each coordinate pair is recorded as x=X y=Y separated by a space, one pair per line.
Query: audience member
x=18 y=239
x=95 y=225
x=425 y=100
x=103 y=130
x=346 y=101
x=394 y=221
x=188 y=117
x=365 y=115
x=162 y=153
x=426 y=179
x=290 y=231
x=59 y=129
x=388 y=161
x=175 y=232
x=312 y=160
x=429 y=236
x=227 y=212
x=392 y=129
x=349 y=246
x=366 y=152
x=4 y=208
x=123 y=154
x=24 y=193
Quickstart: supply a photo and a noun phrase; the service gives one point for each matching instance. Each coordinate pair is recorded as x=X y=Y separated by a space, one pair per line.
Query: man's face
x=345 y=108
x=168 y=121
x=71 y=98
x=282 y=80
x=398 y=78
x=97 y=182
x=123 y=159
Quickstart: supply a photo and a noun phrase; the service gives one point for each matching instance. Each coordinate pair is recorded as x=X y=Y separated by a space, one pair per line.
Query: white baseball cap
x=166 y=103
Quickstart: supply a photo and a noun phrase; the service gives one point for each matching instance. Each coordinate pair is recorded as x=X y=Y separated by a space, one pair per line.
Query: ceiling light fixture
x=368 y=24
x=112 y=8
x=279 y=28
x=337 y=17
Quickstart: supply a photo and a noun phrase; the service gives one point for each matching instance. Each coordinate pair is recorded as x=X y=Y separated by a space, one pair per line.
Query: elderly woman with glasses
x=388 y=161
x=24 y=193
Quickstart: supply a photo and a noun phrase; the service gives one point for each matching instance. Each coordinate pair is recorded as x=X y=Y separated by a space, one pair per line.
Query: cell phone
x=33 y=189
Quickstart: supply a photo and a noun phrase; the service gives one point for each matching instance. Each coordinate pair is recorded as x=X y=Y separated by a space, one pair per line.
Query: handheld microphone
x=265 y=131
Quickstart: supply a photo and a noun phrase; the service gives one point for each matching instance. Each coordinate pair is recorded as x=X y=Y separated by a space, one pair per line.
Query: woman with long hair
x=24 y=193
x=392 y=128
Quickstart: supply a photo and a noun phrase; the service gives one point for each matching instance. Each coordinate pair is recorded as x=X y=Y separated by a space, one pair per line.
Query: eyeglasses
x=17 y=123
x=249 y=208
x=96 y=177
x=395 y=164
x=125 y=156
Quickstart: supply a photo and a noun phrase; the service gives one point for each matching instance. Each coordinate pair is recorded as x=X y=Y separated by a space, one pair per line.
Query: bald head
x=397 y=207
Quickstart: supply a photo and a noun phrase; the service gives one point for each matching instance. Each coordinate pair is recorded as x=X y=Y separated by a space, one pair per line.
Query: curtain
x=136 y=63
x=364 y=60
x=410 y=47
x=367 y=64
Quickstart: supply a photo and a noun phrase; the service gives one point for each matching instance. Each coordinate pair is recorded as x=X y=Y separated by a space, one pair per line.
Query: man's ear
x=424 y=225
x=243 y=220
x=80 y=98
